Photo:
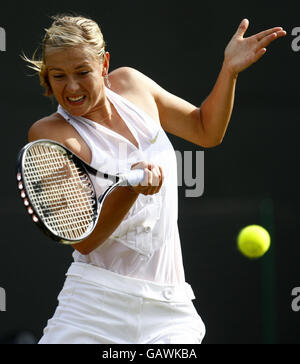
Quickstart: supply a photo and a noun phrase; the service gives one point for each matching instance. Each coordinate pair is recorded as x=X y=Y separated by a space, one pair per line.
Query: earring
x=107 y=81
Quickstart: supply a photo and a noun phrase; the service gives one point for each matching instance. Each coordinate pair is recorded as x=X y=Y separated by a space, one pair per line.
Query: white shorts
x=97 y=306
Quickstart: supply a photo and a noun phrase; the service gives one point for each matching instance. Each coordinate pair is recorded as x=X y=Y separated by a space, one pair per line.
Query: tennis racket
x=58 y=191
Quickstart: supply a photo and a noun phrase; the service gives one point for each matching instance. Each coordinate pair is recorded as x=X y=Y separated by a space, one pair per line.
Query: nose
x=72 y=86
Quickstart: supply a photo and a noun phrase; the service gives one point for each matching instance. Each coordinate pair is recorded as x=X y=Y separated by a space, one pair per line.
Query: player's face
x=76 y=79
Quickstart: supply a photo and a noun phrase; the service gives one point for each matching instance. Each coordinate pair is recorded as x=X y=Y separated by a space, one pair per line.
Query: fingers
x=273 y=33
x=156 y=178
x=264 y=42
x=259 y=54
x=153 y=180
x=242 y=28
x=265 y=33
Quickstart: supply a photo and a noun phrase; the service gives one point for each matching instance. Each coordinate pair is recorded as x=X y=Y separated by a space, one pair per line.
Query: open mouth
x=76 y=100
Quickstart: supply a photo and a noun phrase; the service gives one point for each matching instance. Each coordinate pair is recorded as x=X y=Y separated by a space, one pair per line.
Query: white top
x=146 y=245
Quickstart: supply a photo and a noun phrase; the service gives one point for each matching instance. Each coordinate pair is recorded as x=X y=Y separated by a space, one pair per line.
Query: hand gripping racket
x=58 y=192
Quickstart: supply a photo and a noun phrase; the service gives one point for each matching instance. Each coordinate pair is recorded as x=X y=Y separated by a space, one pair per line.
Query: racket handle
x=133 y=178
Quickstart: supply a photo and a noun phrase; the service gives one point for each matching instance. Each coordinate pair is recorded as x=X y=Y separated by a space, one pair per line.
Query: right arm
x=110 y=218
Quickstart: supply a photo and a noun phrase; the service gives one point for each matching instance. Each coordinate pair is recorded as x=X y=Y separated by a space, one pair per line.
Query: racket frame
x=22 y=186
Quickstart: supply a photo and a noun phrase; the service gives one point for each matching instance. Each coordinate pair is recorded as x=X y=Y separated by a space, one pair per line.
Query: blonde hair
x=67 y=31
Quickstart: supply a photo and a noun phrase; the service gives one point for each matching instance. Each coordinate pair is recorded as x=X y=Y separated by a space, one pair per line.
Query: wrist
x=229 y=70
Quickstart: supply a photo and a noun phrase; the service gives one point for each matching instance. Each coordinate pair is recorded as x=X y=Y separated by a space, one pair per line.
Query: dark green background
x=250 y=178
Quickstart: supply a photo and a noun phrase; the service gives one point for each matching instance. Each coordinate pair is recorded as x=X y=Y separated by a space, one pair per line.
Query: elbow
x=81 y=250
x=212 y=143
x=208 y=138
x=216 y=143
x=85 y=247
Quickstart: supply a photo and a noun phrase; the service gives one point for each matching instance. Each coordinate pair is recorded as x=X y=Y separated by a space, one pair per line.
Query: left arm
x=206 y=126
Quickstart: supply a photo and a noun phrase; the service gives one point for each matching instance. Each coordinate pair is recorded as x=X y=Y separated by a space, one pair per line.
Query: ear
x=106 y=63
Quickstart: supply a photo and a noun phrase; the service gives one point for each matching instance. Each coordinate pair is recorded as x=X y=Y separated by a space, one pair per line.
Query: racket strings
x=60 y=190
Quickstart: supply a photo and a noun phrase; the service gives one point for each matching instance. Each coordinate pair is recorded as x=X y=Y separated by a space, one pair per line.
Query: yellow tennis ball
x=253 y=241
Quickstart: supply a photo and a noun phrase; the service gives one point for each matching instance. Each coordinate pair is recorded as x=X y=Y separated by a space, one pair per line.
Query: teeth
x=74 y=99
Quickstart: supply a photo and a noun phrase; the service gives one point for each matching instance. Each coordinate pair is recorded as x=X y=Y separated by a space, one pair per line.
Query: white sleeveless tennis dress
x=131 y=289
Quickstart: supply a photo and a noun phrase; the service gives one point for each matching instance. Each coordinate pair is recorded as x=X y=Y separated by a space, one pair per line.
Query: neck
x=102 y=113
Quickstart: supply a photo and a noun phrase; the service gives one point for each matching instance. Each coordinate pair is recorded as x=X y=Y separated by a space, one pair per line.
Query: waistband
x=129 y=285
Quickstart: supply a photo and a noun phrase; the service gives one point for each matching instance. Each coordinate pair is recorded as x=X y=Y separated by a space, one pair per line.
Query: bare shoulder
x=127 y=77
x=55 y=127
x=49 y=127
x=176 y=115
x=137 y=88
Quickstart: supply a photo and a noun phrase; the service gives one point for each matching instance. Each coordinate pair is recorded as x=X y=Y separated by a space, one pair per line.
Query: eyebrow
x=76 y=68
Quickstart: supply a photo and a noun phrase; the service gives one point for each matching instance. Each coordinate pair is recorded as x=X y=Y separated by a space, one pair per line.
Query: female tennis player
x=127 y=282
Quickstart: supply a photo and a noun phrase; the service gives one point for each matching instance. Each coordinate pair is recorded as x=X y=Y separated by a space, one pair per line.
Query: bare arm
x=117 y=205
x=216 y=110
x=240 y=53
x=114 y=209
x=119 y=202
x=206 y=125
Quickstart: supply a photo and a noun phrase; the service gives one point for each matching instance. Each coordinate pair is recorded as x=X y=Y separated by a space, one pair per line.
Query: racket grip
x=134 y=177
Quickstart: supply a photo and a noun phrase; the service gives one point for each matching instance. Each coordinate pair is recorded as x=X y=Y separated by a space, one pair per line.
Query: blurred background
x=251 y=178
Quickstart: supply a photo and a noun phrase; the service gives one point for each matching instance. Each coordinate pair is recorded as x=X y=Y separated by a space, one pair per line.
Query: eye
x=58 y=76
x=83 y=73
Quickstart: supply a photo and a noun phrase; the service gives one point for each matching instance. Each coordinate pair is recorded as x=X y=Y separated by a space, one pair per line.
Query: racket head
x=57 y=191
